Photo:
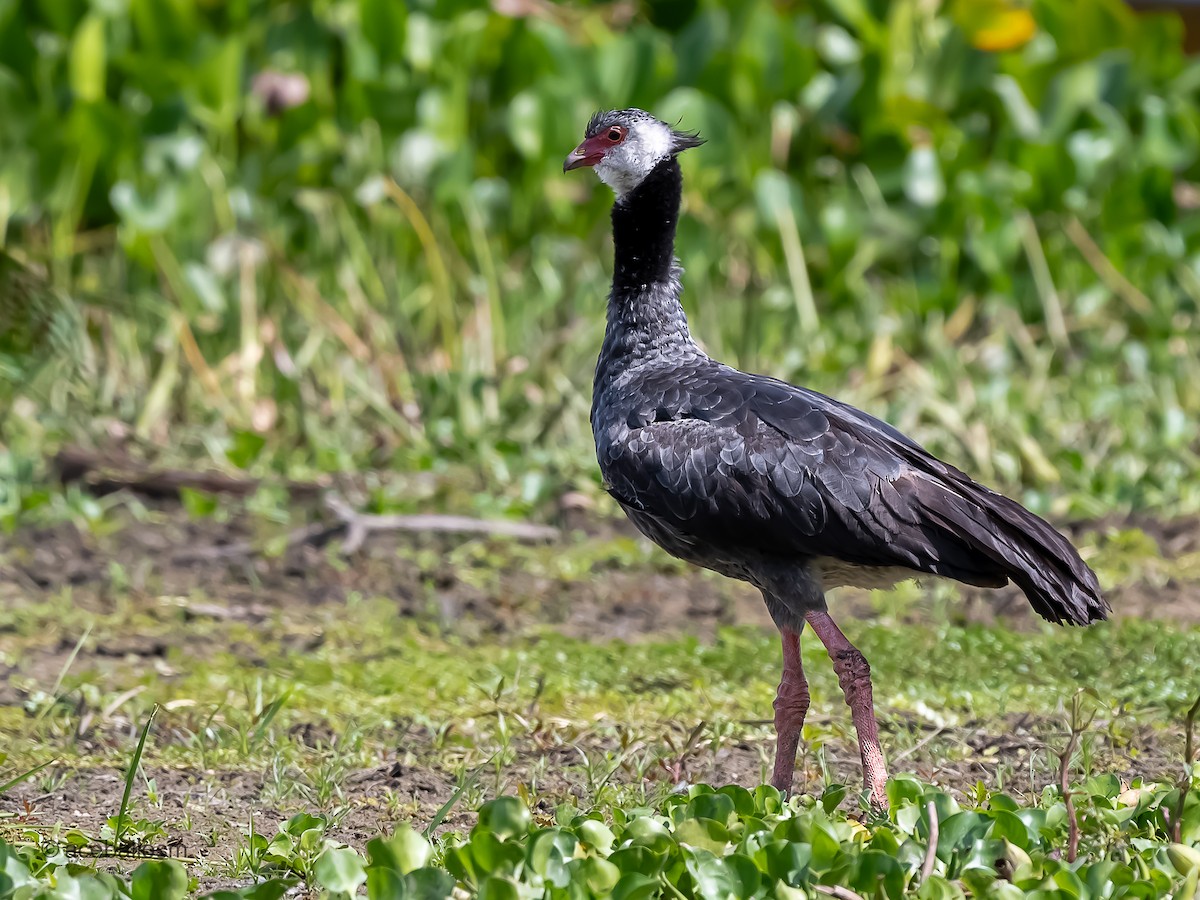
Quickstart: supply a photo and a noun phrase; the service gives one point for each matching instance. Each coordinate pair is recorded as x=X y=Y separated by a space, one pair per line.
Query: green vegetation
x=592 y=737
x=979 y=219
x=719 y=844
x=996 y=250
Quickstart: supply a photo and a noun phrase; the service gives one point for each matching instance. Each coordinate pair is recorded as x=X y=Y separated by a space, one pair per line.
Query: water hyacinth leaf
x=715 y=806
x=634 y=886
x=495 y=888
x=387 y=883
x=640 y=860
x=159 y=879
x=460 y=862
x=703 y=833
x=938 y=888
x=826 y=847
x=596 y=834
x=490 y=854
x=875 y=872
x=832 y=797
x=404 y=851
x=649 y=832
x=504 y=817
x=340 y=869
x=427 y=884
x=1007 y=826
x=88 y=887
x=599 y=875
x=719 y=877
x=787 y=861
x=14 y=873
x=903 y=791
x=548 y=853
x=959 y=831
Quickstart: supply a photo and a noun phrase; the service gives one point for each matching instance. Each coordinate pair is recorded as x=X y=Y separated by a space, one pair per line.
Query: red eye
x=616 y=134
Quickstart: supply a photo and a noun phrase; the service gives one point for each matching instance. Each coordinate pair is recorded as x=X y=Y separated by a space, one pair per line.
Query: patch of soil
x=158 y=556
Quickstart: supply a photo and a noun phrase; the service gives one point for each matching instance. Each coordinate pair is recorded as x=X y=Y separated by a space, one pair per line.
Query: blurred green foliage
x=380 y=264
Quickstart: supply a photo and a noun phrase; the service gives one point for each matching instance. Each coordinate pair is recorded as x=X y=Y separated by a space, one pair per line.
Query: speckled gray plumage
x=778 y=485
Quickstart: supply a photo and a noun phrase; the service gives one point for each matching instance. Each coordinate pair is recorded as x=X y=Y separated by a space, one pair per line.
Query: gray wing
x=743 y=461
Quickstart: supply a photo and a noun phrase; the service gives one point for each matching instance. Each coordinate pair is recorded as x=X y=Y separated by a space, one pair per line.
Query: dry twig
x=1103 y=267
x=834 y=890
x=931 y=850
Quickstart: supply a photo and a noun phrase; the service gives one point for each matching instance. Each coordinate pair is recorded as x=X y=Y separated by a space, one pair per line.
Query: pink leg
x=791 y=705
x=854 y=675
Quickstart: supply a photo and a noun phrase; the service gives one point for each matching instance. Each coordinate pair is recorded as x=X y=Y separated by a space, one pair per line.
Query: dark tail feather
x=1060 y=586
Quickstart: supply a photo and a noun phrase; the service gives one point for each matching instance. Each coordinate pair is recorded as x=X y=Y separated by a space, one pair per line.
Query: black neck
x=644 y=229
x=644 y=314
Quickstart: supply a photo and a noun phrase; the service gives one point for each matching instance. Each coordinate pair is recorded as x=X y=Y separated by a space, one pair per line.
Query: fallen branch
x=359 y=525
x=104 y=474
x=356 y=527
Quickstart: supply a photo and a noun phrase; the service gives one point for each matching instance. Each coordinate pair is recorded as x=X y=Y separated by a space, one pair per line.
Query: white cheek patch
x=624 y=167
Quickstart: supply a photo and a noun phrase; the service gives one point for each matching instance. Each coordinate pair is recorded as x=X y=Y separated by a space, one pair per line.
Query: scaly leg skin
x=854 y=675
x=791 y=706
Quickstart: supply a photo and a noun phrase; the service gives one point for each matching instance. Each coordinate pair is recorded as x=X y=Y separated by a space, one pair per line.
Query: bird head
x=624 y=146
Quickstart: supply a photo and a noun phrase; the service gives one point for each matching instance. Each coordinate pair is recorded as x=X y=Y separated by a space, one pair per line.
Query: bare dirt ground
x=184 y=557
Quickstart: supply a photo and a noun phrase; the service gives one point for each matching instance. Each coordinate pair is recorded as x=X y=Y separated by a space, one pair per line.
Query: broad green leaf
x=596 y=835
x=494 y=888
x=635 y=887
x=427 y=884
x=505 y=817
x=548 y=853
x=404 y=851
x=160 y=879
x=340 y=869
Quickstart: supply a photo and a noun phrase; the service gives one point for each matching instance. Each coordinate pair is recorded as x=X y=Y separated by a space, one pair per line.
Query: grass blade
x=134 y=763
x=24 y=776
x=267 y=716
x=62 y=673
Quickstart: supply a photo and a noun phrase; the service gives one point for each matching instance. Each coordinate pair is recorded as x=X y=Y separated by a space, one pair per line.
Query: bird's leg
x=791 y=705
x=854 y=675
